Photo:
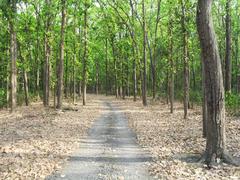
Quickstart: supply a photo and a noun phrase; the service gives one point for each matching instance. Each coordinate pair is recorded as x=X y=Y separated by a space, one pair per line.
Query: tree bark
x=47 y=49
x=115 y=66
x=171 y=83
x=13 y=56
x=61 y=59
x=25 y=78
x=85 y=55
x=38 y=51
x=134 y=50
x=185 y=60
x=216 y=143
x=97 y=77
x=154 y=49
x=228 y=63
x=144 y=85
x=106 y=66
x=204 y=104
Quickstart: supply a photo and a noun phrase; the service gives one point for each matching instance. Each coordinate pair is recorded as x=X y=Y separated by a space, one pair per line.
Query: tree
x=185 y=58
x=85 y=55
x=13 y=54
x=61 y=59
x=213 y=81
x=47 y=50
x=144 y=83
x=171 y=82
x=228 y=63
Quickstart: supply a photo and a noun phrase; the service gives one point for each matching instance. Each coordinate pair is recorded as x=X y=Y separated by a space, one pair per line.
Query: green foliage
x=233 y=102
x=196 y=97
x=3 y=98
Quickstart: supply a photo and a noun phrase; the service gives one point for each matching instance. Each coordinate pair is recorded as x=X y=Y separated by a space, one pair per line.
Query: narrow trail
x=109 y=152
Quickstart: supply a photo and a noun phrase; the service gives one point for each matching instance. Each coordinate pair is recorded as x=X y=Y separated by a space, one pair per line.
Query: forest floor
x=35 y=142
x=175 y=143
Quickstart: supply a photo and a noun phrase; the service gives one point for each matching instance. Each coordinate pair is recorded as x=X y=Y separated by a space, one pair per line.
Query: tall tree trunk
x=171 y=83
x=204 y=103
x=61 y=59
x=85 y=55
x=97 y=77
x=26 y=87
x=237 y=48
x=216 y=140
x=134 y=50
x=79 y=88
x=154 y=49
x=66 y=83
x=115 y=66
x=47 y=50
x=228 y=63
x=144 y=86
x=106 y=66
x=38 y=52
x=8 y=78
x=13 y=56
x=25 y=78
x=185 y=59
x=74 y=80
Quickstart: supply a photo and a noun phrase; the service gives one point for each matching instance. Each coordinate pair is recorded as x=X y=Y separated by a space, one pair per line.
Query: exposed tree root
x=214 y=161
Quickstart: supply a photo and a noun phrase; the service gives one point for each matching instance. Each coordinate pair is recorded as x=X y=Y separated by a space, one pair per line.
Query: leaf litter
x=35 y=142
x=174 y=142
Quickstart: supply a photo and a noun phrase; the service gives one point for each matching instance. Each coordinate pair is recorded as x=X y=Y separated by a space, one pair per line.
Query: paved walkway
x=109 y=152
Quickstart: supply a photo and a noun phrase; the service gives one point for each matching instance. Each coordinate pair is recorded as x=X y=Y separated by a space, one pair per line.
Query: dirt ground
x=172 y=141
x=110 y=152
x=34 y=142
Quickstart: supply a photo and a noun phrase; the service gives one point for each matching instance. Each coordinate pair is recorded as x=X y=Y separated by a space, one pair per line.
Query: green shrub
x=196 y=97
x=3 y=98
x=233 y=102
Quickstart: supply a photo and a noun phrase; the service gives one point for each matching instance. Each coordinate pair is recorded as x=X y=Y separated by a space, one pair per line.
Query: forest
x=183 y=56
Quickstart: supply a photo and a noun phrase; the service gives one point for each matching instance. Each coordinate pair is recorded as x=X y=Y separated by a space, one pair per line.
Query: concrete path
x=109 y=152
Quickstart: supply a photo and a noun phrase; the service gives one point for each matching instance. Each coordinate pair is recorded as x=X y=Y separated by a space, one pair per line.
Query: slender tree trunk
x=144 y=86
x=106 y=66
x=74 y=81
x=228 y=63
x=185 y=59
x=25 y=78
x=8 y=78
x=154 y=49
x=115 y=66
x=61 y=59
x=54 y=97
x=97 y=77
x=134 y=50
x=13 y=56
x=171 y=83
x=204 y=104
x=85 y=56
x=66 y=83
x=47 y=50
x=216 y=140
x=79 y=89
x=38 y=52
x=167 y=87
x=237 y=49
x=26 y=87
